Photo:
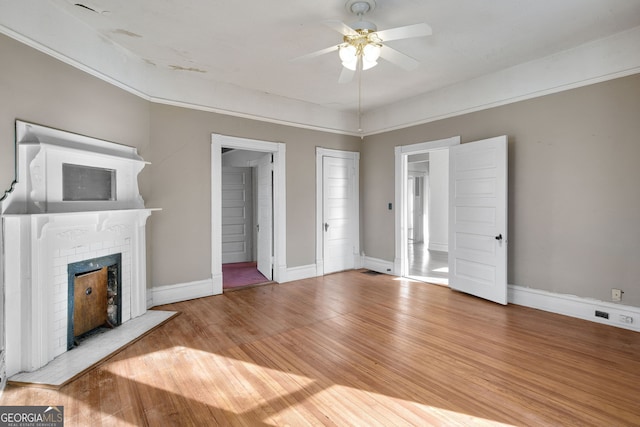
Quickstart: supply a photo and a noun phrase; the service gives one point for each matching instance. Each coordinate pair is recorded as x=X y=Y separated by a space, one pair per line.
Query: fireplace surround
x=55 y=216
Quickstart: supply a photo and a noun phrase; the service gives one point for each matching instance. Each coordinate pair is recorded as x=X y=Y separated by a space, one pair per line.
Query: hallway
x=428 y=265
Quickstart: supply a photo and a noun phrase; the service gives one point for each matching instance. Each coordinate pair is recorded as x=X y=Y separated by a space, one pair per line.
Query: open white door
x=478 y=218
x=265 y=216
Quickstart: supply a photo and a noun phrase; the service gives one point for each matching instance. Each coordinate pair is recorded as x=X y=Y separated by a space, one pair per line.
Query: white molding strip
x=575 y=306
x=605 y=59
x=47 y=28
x=182 y=292
x=379 y=265
x=62 y=36
x=301 y=272
x=440 y=247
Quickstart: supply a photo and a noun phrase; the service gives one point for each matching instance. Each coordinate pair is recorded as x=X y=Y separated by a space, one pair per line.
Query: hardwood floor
x=356 y=349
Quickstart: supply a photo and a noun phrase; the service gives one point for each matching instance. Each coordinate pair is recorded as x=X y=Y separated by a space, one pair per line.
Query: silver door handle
x=326 y=226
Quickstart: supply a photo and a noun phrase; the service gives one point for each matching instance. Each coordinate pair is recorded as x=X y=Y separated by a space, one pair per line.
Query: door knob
x=326 y=226
x=499 y=237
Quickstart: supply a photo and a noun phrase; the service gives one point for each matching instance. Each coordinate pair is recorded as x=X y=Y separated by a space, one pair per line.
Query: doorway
x=427 y=216
x=267 y=159
x=247 y=218
x=422 y=216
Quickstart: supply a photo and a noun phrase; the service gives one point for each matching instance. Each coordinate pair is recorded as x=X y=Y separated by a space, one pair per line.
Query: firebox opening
x=94 y=298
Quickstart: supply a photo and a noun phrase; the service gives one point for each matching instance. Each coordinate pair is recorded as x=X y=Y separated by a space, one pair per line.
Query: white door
x=236 y=215
x=264 y=224
x=337 y=184
x=478 y=218
x=418 y=209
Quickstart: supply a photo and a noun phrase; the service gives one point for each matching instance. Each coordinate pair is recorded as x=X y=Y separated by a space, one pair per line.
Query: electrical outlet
x=616 y=294
x=626 y=319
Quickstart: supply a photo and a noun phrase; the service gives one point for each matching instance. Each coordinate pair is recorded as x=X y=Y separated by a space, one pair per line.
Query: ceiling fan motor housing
x=364 y=26
x=360 y=7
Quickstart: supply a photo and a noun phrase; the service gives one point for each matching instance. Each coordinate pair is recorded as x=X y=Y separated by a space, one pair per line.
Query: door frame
x=402 y=153
x=278 y=150
x=354 y=156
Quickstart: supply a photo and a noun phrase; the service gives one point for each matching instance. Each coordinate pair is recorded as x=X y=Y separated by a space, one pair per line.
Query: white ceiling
x=197 y=52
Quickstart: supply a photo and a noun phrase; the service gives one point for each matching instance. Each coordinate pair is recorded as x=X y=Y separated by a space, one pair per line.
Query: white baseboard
x=574 y=306
x=181 y=292
x=440 y=247
x=301 y=272
x=379 y=265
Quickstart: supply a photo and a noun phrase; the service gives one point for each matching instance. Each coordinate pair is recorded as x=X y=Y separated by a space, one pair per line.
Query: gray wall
x=177 y=141
x=38 y=89
x=574 y=202
x=181 y=176
x=574 y=205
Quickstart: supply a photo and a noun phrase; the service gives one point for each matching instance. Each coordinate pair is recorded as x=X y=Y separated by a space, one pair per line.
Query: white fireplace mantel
x=43 y=231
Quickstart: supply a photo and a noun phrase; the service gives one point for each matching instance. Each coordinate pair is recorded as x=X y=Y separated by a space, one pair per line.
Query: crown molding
x=66 y=39
x=601 y=60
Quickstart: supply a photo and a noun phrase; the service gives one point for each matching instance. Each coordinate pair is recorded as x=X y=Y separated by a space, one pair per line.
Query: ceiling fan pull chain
x=360 y=100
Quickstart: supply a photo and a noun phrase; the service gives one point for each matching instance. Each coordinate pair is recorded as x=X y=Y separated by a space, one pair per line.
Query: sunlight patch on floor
x=277 y=397
x=370 y=408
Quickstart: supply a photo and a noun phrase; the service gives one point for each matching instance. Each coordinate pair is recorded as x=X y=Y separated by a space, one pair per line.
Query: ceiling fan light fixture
x=368 y=64
x=349 y=56
x=371 y=52
x=348 y=53
x=351 y=65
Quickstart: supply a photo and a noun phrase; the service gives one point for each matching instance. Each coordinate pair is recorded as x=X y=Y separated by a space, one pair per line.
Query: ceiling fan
x=363 y=44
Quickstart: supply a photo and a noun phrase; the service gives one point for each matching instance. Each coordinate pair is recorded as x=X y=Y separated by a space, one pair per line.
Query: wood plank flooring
x=356 y=349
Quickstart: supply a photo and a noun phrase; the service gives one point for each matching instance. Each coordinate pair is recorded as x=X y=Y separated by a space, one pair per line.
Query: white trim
x=182 y=292
x=575 y=306
x=301 y=272
x=379 y=265
x=440 y=247
x=278 y=149
x=611 y=57
x=402 y=154
x=354 y=156
x=65 y=38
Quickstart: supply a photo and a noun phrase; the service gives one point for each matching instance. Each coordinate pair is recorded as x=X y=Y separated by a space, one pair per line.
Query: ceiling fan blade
x=346 y=75
x=398 y=58
x=316 y=53
x=415 y=30
x=340 y=27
